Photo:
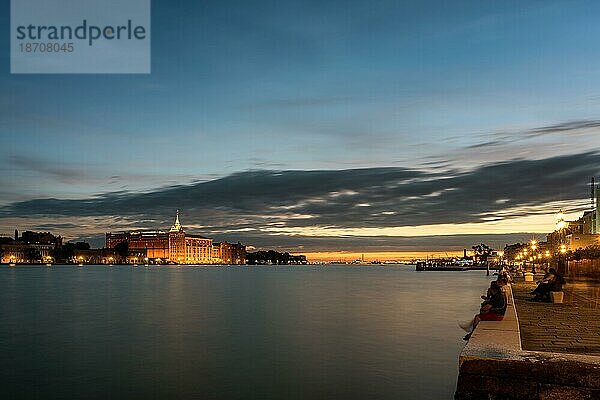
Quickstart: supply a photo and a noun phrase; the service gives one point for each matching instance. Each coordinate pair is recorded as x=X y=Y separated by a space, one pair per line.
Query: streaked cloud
x=498 y=198
x=63 y=173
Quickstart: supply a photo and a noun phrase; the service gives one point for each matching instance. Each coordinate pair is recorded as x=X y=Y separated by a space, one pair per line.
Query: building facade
x=232 y=253
x=178 y=247
x=30 y=247
x=155 y=244
x=579 y=234
x=27 y=253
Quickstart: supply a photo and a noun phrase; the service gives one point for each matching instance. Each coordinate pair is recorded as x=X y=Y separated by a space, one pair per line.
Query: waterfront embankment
x=539 y=351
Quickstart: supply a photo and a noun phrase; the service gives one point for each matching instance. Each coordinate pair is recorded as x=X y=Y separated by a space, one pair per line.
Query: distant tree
x=589 y=253
x=272 y=257
x=64 y=253
x=482 y=252
x=33 y=255
x=122 y=249
x=82 y=246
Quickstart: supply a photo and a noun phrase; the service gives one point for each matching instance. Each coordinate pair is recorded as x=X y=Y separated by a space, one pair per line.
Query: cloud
x=266 y=200
x=62 y=173
x=566 y=127
x=56 y=226
x=576 y=127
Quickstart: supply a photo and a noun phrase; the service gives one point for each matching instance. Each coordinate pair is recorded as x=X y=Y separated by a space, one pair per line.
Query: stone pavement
x=571 y=327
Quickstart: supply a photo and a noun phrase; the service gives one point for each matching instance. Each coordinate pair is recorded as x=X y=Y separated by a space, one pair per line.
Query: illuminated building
x=581 y=233
x=30 y=247
x=188 y=249
x=22 y=252
x=177 y=246
x=231 y=253
x=154 y=243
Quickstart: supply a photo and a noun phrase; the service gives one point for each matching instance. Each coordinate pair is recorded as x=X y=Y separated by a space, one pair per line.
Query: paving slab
x=571 y=327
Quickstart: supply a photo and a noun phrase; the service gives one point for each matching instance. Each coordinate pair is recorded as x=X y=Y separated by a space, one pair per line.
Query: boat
x=48 y=264
x=440 y=265
x=12 y=265
x=80 y=265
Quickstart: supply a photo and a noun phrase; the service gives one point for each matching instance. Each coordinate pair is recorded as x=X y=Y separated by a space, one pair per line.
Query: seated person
x=506 y=277
x=492 y=309
x=488 y=294
x=551 y=282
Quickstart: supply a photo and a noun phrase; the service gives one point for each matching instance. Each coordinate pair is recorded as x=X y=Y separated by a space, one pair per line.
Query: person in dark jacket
x=492 y=309
x=551 y=282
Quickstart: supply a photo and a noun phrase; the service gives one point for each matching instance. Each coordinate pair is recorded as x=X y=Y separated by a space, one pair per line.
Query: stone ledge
x=495 y=337
x=493 y=365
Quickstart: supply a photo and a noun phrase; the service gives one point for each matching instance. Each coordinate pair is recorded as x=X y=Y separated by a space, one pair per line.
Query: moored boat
x=440 y=265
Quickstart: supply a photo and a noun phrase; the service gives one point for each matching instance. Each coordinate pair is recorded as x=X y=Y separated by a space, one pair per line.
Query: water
x=301 y=332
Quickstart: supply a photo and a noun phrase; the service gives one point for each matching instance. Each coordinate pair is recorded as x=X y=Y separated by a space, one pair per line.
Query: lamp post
x=561 y=227
x=533 y=244
x=501 y=259
x=563 y=252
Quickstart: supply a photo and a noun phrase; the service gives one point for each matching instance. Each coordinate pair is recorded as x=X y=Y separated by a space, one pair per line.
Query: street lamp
x=533 y=248
x=562 y=258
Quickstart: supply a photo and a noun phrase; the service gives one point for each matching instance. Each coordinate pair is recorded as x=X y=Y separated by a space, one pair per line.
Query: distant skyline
x=317 y=127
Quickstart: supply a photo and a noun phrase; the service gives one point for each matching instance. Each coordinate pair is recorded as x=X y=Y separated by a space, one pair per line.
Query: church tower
x=594 y=192
x=177 y=242
x=176 y=226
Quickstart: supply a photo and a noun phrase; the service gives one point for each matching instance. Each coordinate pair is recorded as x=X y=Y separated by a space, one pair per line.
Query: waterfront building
x=578 y=234
x=30 y=247
x=27 y=253
x=30 y=237
x=155 y=244
x=216 y=253
x=581 y=241
x=179 y=247
x=232 y=253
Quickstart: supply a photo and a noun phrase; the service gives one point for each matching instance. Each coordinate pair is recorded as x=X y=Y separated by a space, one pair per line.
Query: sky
x=339 y=126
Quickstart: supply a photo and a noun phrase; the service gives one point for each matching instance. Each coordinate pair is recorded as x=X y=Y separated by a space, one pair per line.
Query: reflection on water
x=229 y=333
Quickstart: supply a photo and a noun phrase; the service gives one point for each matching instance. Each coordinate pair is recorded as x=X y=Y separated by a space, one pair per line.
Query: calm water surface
x=330 y=332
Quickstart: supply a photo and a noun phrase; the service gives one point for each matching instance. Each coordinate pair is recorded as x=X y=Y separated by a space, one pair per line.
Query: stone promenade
x=539 y=351
x=571 y=327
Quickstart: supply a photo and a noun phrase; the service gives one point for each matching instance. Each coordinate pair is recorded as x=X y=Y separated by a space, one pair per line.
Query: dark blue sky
x=310 y=85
